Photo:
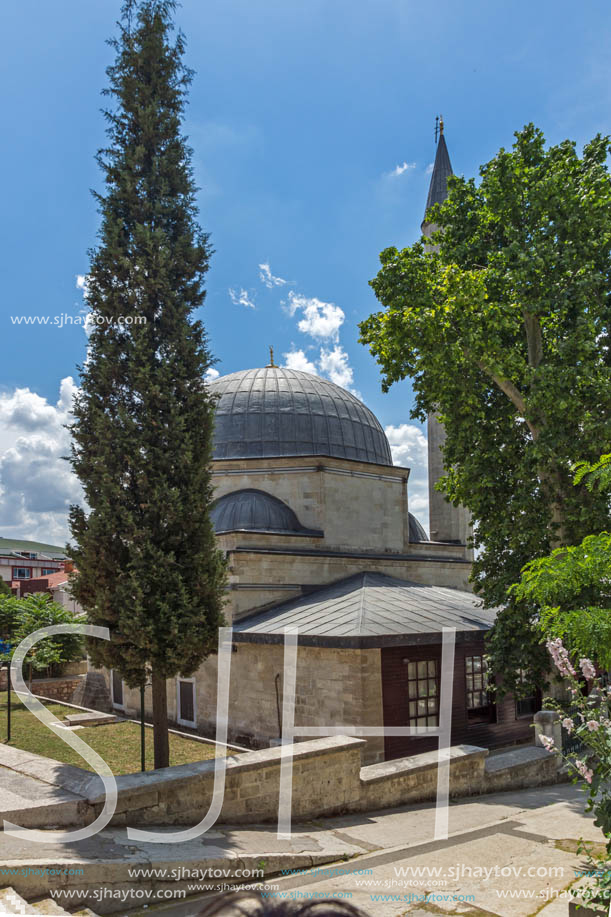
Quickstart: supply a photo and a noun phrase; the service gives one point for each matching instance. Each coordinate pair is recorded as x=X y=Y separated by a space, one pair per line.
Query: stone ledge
x=514 y=758
x=252 y=760
x=418 y=763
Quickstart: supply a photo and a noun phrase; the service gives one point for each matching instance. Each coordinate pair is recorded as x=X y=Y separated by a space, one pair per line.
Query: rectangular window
x=479 y=705
x=116 y=689
x=185 y=689
x=47 y=571
x=423 y=692
x=22 y=573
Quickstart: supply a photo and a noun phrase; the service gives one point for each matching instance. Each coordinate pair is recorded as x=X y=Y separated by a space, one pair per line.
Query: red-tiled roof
x=56 y=579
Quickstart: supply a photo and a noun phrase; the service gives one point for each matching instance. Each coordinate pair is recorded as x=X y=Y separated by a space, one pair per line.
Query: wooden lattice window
x=479 y=705
x=423 y=692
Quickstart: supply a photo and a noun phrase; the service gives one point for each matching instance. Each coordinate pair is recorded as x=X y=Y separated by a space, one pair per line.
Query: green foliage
x=572 y=587
x=588 y=719
x=5 y=589
x=504 y=331
x=596 y=475
x=598 y=867
x=20 y=617
x=148 y=566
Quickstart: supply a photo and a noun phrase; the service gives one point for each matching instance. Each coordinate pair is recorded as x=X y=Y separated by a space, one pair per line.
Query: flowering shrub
x=589 y=721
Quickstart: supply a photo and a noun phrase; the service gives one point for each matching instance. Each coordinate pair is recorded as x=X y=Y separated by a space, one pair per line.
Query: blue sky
x=312 y=128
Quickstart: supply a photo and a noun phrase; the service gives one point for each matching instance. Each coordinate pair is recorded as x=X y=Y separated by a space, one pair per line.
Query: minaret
x=446 y=522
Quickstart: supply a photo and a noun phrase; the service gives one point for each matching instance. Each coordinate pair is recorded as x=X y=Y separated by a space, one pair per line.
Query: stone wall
x=63 y=688
x=359 y=506
x=334 y=687
x=259 y=577
x=327 y=780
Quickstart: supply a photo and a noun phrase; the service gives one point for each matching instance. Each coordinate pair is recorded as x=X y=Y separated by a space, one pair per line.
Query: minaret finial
x=271 y=356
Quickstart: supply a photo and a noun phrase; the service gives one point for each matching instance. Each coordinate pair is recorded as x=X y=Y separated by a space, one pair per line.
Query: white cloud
x=321 y=320
x=409 y=448
x=82 y=282
x=211 y=374
x=270 y=281
x=334 y=364
x=408 y=444
x=241 y=298
x=429 y=168
x=296 y=359
x=401 y=168
x=37 y=485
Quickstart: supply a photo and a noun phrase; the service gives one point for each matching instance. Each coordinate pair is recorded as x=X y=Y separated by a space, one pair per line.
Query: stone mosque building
x=314 y=520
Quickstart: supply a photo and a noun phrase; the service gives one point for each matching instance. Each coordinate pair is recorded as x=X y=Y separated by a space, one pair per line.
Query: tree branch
x=534 y=338
x=514 y=395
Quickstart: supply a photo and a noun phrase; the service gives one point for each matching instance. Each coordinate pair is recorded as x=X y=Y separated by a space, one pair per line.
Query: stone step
x=12 y=903
x=90 y=719
x=84 y=912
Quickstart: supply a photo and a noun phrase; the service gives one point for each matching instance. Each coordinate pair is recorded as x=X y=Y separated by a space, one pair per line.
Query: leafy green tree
x=9 y=607
x=20 y=617
x=145 y=552
x=572 y=586
x=5 y=589
x=505 y=333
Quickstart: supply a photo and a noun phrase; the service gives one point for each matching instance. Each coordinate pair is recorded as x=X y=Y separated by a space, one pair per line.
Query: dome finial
x=271 y=363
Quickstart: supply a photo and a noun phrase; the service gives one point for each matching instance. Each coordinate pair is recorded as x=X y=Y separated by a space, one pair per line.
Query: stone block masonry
x=63 y=689
x=327 y=780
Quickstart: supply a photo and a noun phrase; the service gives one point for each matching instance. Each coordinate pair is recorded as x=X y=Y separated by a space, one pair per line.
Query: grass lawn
x=118 y=743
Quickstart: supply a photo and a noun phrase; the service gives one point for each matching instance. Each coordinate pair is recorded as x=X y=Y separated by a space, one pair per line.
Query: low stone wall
x=63 y=688
x=414 y=779
x=327 y=780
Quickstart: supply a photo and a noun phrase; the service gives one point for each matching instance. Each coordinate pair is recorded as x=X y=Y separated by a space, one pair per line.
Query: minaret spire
x=442 y=169
x=446 y=522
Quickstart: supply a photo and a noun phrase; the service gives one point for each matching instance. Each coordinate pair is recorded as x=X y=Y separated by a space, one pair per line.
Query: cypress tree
x=148 y=566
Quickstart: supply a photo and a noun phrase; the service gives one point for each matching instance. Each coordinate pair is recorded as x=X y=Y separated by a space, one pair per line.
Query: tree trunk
x=161 y=742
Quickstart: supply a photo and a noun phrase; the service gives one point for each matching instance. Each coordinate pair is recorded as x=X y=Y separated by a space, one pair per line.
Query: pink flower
x=568 y=724
x=547 y=742
x=561 y=657
x=588 y=669
x=592 y=725
x=585 y=771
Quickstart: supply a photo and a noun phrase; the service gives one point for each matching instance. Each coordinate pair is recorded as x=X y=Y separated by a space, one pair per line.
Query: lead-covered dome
x=251 y=510
x=275 y=411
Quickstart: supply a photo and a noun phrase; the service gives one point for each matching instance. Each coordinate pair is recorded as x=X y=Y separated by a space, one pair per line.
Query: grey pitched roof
x=369 y=606
x=442 y=169
x=251 y=510
x=276 y=411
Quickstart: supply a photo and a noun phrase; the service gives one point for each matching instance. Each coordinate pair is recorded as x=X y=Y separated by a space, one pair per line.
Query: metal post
x=142 y=733
x=8 y=702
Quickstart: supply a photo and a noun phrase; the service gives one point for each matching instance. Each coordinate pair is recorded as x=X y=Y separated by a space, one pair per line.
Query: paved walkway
x=379 y=860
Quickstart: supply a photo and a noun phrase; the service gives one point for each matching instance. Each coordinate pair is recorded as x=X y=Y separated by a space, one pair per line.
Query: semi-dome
x=275 y=411
x=251 y=510
x=416 y=531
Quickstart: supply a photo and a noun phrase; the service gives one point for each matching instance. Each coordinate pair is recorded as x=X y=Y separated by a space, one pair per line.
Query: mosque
x=314 y=520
